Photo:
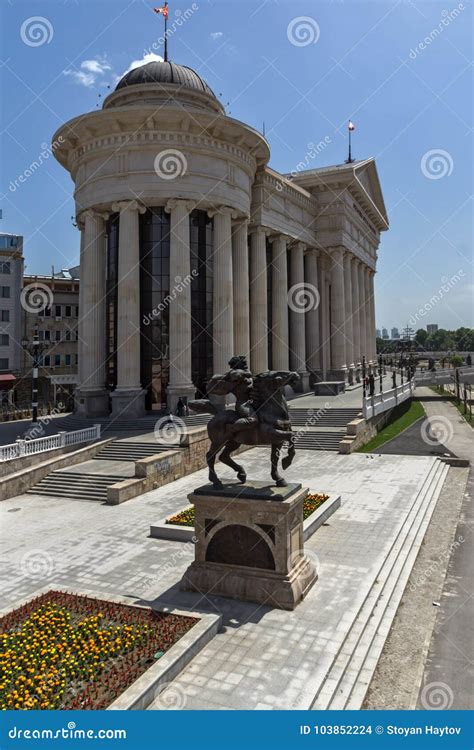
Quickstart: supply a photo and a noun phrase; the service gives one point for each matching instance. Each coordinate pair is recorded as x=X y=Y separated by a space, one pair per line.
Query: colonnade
x=328 y=334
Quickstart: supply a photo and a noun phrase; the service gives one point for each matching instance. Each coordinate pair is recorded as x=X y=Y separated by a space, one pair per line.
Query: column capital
x=132 y=205
x=223 y=211
x=259 y=229
x=241 y=221
x=91 y=213
x=279 y=236
x=173 y=203
x=297 y=245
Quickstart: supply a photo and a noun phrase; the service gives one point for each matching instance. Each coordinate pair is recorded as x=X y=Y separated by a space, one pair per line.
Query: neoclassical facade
x=193 y=248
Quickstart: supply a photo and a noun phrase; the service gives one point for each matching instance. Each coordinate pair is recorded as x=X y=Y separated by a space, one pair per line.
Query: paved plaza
x=263 y=657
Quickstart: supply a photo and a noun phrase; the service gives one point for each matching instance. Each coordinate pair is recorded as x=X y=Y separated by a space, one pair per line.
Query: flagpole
x=349 y=160
x=166 y=35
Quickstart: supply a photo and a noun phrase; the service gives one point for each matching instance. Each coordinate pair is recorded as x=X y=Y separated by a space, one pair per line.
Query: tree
x=456 y=360
x=420 y=336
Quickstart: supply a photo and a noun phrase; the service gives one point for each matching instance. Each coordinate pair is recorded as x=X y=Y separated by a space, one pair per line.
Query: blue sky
x=364 y=62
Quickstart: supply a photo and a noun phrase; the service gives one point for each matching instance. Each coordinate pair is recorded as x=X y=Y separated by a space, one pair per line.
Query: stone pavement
x=263 y=658
x=349 y=399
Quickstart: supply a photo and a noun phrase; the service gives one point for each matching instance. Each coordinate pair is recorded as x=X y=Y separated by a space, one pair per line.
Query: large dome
x=165 y=72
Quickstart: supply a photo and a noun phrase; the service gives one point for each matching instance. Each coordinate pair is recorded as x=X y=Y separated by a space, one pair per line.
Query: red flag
x=163 y=9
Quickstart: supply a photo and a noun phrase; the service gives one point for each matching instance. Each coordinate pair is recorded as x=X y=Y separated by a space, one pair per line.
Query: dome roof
x=165 y=72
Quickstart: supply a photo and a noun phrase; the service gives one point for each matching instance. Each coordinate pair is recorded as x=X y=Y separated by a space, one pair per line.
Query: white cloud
x=149 y=57
x=216 y=35
x=90 y=71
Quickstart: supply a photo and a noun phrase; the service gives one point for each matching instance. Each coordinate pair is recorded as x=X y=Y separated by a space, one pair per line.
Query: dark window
x=5 y=266
x=58 y=311
x=57 y=335
x=154 y=310
x=5 y=316
x=47 y=335
x=57 y=360
x=5 y=292
x=68 y=312
x=47 y=360
x=4 y=339
x=3 y=364
x=68 y=335
x=68 y=359
x=47 y=312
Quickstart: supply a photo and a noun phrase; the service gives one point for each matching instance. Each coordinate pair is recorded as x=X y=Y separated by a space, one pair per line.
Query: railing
x=445 y=376
x=41 y=445
x=381 y=402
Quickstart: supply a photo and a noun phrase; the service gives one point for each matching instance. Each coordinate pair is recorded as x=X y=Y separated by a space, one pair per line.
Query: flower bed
x=63 y=651
x=186 y=517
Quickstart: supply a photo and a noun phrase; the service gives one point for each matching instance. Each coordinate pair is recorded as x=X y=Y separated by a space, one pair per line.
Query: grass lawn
x=402 y=417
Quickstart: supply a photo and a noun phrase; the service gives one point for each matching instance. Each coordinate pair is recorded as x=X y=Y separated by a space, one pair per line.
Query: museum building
x=193 y=249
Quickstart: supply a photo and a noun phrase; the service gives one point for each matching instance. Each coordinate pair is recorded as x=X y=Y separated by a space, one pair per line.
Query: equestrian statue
x=259 y=417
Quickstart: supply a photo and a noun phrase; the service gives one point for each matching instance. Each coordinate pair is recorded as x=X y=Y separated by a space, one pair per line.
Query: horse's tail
x=202 y=406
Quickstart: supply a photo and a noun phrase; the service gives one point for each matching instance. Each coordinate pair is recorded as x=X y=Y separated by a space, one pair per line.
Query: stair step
x=342 y=686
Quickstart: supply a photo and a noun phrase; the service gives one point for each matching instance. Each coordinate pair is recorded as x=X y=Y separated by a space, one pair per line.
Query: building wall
x=11 y=273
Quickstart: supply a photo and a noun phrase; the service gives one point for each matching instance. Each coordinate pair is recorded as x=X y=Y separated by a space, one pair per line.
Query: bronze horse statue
x=260 y=417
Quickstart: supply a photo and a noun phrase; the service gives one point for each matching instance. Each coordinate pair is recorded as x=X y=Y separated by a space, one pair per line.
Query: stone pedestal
x=128 y=402
x=91 y=402
x=250 y=544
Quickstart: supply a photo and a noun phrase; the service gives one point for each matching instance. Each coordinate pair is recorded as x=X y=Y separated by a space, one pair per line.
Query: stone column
x=180 y=381
x=368 y=316
x=324 y=333
x=338 y=348
x=355 y=311
x=128 y=399
x=362 y=316
x=297 y=315
x=373 y=338
x=349 y=323
x=258 y=301
x=80 y=322
x=92 y=398
x=279 y=303
x=313 y=345
x=222 y=289
x=240 y=279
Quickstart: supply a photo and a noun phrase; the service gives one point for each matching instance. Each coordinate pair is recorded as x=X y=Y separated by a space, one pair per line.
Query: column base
x=174 y=392
x=337 y=374
x=92 y=403
x=303 y=385
x=350 y=375
x=128 y=402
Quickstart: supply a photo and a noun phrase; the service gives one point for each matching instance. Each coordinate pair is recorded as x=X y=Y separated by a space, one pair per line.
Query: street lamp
x=34 y=348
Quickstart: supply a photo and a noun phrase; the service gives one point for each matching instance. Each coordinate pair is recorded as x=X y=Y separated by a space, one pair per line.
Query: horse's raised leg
x=280 y=481
x=230 y=446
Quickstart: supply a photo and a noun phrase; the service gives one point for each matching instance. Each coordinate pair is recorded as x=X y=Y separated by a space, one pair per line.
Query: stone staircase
x=75 y=486
x=321 y=430
x=128 y=450
x=345 y=683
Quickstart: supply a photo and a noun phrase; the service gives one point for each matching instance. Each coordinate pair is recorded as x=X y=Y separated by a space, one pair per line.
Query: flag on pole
x=163 y=9
x=351 y=125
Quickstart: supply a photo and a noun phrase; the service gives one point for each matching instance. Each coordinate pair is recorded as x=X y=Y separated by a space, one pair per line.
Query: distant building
x=53 y=312
x=11 y=273
x=395 y=333
x=378 y=334
x=432 y=328
x=384 y=333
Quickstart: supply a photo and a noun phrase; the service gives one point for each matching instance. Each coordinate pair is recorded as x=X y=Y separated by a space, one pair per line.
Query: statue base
x=250 y=544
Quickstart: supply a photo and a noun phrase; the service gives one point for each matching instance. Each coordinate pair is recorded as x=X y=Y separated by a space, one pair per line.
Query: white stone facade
x=171 y=148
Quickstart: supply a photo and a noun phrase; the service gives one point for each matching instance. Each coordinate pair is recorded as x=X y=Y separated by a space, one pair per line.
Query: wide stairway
x=128 y=450
x=321 y=429
x=76 y=486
